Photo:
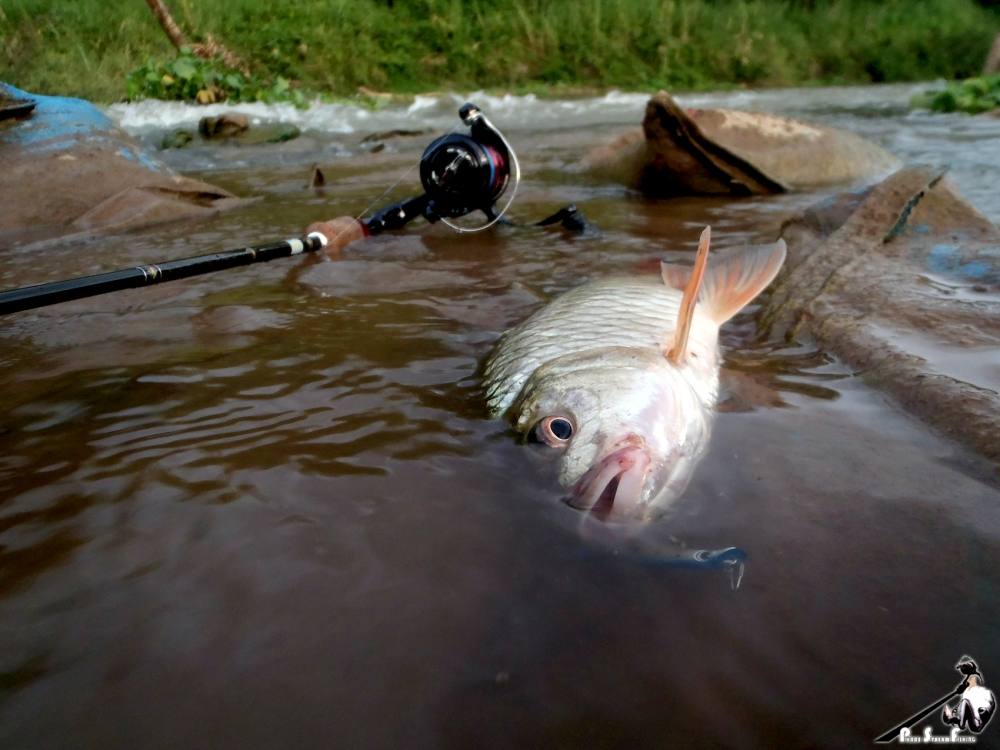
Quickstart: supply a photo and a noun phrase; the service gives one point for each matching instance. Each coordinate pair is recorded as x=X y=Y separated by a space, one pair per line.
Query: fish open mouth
x=612 y=489
x=606 y=502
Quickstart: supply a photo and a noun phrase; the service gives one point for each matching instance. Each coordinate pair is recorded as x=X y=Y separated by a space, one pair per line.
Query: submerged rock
x=728 y=152
x=285 y=133
x=385 y=135
x=902 y=281
x=67 y=168
x=225 y=125
x=176 y=139
x=234 y=129
x=274 y=134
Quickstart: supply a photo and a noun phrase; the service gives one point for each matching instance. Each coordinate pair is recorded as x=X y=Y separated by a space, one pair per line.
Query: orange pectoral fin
x=671 y=276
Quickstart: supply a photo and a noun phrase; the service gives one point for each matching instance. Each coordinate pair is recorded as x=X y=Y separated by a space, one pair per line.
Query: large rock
x=727 y=152
x=902 y=282
x=225 y=125
x=67 y=168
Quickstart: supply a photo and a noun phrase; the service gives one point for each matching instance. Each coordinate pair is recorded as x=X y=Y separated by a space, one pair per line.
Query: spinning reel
x=461 y=174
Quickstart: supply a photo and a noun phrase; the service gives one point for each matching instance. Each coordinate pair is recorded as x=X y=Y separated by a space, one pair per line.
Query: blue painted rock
x=66 y=168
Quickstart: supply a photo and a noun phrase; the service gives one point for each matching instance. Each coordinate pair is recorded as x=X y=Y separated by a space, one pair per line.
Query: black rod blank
x=53 y=292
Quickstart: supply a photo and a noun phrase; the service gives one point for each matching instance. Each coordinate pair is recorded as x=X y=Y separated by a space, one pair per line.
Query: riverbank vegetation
x=188 y=77
x=973 y=95
x=90 y=47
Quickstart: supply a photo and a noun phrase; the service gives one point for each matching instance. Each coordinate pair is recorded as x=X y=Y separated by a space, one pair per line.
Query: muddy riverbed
x=266 y=508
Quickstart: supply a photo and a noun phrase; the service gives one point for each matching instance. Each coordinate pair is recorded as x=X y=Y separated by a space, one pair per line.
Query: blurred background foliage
x=972 y=95
x=89 y=48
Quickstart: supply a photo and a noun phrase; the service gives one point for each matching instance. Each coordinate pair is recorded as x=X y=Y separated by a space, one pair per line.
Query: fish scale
x=617 y=312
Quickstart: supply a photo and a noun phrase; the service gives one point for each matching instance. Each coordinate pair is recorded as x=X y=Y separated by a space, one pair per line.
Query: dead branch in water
x=208 y=50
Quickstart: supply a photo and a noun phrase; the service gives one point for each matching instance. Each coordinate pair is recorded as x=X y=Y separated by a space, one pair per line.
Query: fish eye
x=554 y=431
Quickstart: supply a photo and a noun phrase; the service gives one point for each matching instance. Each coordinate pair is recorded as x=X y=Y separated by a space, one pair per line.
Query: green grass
x=88 y=47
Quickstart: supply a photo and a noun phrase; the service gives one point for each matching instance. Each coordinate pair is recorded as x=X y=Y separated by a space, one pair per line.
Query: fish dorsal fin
x=733 y=281
x=736 y=278
x=677 y=352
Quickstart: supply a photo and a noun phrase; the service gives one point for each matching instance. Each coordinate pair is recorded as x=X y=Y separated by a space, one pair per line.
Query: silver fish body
x=588 y=375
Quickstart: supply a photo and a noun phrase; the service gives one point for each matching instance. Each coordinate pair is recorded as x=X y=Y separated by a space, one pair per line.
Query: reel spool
x=461 y=174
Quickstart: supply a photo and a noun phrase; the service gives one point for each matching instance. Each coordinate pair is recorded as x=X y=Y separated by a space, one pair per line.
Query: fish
x=619 y=377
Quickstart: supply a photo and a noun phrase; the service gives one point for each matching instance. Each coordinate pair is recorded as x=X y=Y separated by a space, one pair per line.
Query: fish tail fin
x=733 y=280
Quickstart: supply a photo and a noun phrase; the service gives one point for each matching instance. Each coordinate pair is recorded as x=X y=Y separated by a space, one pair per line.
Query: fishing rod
x=53 y=292
x=459 y=173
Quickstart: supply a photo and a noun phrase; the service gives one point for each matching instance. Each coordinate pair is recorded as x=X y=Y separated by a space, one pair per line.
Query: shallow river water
x=266 y=508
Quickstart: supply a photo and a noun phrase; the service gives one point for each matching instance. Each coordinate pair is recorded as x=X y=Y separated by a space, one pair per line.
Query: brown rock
x=95 y=190
x=902 y=282
x=728 y=152
x=225 y=125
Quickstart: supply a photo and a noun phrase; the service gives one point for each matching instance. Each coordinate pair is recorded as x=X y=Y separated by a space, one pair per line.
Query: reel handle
x=339 y=233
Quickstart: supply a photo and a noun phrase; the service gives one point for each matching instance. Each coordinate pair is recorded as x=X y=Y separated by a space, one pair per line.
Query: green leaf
x=184 y=68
